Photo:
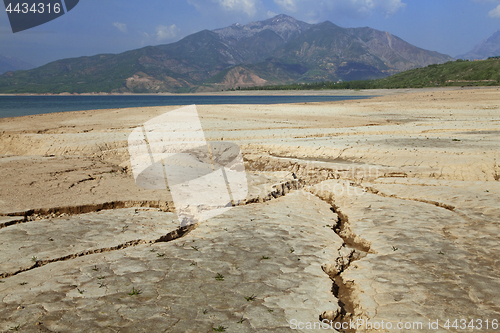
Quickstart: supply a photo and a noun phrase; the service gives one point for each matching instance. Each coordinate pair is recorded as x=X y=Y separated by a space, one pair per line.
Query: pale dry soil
x=384 y=209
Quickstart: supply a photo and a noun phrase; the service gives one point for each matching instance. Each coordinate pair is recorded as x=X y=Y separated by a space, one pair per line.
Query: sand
x=380 y=210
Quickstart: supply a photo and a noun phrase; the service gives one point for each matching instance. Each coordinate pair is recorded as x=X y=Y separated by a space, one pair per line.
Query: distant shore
x=362 y=92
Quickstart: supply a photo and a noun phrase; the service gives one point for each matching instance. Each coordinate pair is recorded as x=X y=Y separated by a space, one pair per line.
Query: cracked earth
x=382 y=210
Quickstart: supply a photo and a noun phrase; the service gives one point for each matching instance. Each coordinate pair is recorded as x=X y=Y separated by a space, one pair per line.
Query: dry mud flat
x=383 y=212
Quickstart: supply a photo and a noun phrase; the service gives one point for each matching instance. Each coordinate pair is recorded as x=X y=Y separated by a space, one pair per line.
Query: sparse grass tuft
x=196 y=248
x=95 y=268
x=219 y=277
x=34 y=259
x=241 y=320
x=135 y=292
x=160 y=255
x=251 y=298
x=219 y=329
x=15 y=328
x=394 y=248
x=265 y=258
x=292 y=250
x=23 y=283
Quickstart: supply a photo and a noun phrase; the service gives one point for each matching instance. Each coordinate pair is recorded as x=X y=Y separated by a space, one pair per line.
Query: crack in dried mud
x=45 y=213
x=173 y=235
x=353 y=249
x=385 y=195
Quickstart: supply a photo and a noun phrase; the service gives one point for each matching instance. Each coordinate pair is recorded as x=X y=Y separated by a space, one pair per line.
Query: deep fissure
x=352 y=250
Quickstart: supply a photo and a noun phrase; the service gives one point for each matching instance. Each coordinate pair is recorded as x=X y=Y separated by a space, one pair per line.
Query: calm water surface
x=16 y=106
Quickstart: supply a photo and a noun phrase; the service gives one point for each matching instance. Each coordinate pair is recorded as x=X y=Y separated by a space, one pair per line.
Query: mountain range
x=11 y=64
x=279 y=50
x=487 y=48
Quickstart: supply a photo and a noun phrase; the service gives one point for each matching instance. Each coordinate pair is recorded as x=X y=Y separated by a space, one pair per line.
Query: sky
x=93 y=27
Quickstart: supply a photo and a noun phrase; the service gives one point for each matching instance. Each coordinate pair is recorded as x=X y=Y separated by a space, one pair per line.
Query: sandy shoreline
x=395 y=209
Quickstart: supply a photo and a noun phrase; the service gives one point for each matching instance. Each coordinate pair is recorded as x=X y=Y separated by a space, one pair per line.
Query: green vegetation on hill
x=457 y=73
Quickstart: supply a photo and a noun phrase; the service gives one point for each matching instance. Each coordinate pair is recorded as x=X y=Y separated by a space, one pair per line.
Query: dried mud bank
x=382 y=210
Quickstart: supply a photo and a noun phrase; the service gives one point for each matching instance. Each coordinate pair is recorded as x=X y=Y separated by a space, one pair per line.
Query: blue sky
x=112 y=26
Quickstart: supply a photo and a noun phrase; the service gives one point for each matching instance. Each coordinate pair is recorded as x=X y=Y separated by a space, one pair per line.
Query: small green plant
x=219 y=277
x=101 y=277
x=219 y=329
x=15 y=328
x=456 y=140
x=23 y=283
x=102 y=284
x=251 y=298
x=81 y=291
x=153 y=250
x=394 y=248
x=441 y=252
x=95 y=268
x=192 y=264
x=241 y=320
x=196 y=248
x=265 y=258
x=292 y=250
x=33 y=259
x=135 y=292
x=205 y=311
x=270 y=310
x=160 y=255
x=2 y=281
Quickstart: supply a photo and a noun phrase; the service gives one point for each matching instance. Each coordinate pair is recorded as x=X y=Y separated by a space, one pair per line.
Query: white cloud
x=271 y=14
x=290 y=5
x=166 y=32
x=391 y=7
x=495 y=12
x=248 y=7
x=353 y=8
x=120 y=26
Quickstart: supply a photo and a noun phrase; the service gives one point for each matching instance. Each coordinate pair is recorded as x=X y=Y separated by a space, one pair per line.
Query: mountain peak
x=12 y=64
x=283 y=25
x=489 y=47
x=282 y=17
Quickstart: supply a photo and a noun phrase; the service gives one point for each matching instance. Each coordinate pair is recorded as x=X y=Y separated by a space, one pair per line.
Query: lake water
x=16 y=106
